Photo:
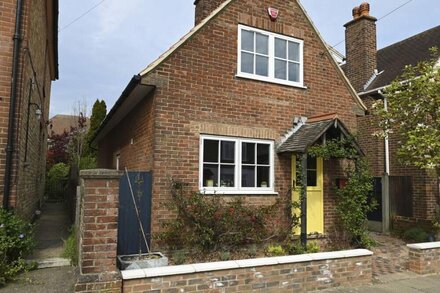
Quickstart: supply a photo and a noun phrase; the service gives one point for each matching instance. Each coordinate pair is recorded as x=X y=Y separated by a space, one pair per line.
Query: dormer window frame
x=273 y=59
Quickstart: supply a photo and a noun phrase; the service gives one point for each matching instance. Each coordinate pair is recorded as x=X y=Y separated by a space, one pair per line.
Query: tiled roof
x=393 y=59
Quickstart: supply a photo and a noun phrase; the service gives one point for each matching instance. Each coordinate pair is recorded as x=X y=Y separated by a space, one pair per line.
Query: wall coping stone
x=100 y=174
x=424 y=246
x=244 y=263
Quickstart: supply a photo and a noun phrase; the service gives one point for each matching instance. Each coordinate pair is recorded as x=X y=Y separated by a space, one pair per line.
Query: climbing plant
x=353 y=202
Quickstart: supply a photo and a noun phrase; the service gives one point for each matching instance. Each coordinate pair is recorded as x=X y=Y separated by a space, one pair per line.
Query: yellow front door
x=315 y=194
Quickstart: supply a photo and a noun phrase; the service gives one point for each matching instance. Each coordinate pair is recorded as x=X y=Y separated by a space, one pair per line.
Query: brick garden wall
x=424 y=258
x=197 y=93
x=279 y=274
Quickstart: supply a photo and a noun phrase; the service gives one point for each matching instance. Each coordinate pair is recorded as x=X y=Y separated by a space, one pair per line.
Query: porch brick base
x=424 y=258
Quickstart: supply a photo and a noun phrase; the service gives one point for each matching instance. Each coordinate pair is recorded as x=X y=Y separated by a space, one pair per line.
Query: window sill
x=270 y=80
x=239 y=192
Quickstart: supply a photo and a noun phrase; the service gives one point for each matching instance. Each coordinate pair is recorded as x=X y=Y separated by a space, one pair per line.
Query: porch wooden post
x=303 y=198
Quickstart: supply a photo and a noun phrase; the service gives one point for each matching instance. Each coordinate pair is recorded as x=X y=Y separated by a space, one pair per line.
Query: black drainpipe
x=10 y=145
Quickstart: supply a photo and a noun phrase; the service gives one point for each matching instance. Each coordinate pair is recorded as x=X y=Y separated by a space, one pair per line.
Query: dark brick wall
x=205 y=8
x=27 y=184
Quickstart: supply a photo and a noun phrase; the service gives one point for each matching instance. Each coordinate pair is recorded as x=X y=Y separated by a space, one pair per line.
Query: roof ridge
x=409 y=38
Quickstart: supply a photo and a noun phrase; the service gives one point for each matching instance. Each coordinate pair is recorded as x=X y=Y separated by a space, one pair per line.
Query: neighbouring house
x=229 y=105
x=28 y=65
x=60 y=123
x=407 y=195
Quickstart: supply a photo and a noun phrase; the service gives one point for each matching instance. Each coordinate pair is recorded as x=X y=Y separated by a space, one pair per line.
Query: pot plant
x=140 y=260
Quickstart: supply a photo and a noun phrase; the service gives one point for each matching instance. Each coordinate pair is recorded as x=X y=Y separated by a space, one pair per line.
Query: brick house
x=28 y=65
x=407 y=194
x=217 y=110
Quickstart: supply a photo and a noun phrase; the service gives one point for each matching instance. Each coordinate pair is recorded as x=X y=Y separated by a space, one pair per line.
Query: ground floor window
x=236 y=165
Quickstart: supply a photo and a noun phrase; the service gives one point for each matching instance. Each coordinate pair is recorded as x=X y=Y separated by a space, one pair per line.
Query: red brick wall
x=424 y=261
x=98 y=232
x=198 y=93
x=204 y=8
x=27 y=183
x=293 y=277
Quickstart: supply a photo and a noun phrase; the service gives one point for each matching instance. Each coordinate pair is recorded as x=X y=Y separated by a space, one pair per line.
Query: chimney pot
x=364 y=9
x=356 y=13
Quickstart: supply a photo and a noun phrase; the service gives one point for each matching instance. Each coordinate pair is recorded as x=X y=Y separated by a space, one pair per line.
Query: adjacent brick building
x=214 y=110
x=405 y=192
x=28 y=65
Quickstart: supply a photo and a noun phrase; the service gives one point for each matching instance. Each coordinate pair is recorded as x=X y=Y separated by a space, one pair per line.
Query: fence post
x=98 y=232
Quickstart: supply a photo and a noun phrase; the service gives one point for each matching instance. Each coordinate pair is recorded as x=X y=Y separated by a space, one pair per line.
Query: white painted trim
x=245 y=263
x=424 y=246
x=271 y=78
x=238 y=147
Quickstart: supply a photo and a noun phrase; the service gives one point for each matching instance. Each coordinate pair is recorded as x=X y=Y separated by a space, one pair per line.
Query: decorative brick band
x=277 y=274
x=424 y=258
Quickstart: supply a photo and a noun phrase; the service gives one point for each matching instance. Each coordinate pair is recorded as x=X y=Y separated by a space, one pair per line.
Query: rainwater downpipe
x=12 y=101
x=386 y=221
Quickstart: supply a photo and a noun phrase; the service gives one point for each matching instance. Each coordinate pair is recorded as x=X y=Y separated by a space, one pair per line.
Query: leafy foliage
x=353 y=199
x=56 y=180
x=16 y=242
x=275 y=250
x=209 y=222
x=413 y=113
x=415 y=234
x=99 y=111
x=70 y=247
x=57 y=149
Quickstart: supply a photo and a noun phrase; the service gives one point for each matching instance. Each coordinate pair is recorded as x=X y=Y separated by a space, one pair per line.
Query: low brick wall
x=277 y=274
x=424 y=258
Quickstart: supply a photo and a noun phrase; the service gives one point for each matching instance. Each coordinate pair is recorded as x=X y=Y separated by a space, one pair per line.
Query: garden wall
x=277 y=274
x=424 y=258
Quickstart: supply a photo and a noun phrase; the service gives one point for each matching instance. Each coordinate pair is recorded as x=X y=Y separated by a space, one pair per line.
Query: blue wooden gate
x=130 y=239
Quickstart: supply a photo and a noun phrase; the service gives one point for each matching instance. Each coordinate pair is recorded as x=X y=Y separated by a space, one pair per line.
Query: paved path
x=400 y=283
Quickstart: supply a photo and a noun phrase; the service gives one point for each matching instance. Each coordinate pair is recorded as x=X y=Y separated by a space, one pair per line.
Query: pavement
x=399 y=282
x=55 y=273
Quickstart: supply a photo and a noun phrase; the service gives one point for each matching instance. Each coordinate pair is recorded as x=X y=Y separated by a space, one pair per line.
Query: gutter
x=12 y=101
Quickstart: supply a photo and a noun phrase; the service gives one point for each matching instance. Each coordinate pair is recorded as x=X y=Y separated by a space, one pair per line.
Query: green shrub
x=71 y=247
x=209 y=222
x=16 y=242
x=56 y=180
x=179 y=257
x=275 y=250
x=295 y=247
x=87 y=162
x=415 y=234
x=224 y=255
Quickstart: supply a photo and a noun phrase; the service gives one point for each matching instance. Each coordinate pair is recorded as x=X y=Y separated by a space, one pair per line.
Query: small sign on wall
x=273 y=13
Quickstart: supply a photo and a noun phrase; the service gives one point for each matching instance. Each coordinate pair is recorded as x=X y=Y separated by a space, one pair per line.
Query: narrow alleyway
x=55 y=273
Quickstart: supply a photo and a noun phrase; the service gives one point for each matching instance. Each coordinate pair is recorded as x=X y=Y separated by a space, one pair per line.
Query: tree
x=57 y=149
x=413 y=113
x=99 y=111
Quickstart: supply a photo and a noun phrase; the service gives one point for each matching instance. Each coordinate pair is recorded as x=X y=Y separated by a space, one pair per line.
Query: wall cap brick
x=257 y=262
x=424 y=246
x=100 y=174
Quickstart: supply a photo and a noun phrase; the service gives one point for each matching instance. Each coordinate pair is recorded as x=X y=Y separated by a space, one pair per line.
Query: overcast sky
x=99 y=53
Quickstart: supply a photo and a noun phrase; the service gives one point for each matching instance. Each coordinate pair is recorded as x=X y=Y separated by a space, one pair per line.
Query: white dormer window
x=270 y=57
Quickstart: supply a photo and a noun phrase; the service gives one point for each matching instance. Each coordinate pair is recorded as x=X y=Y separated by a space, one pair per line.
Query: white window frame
x=271 y=78
x=237 y=190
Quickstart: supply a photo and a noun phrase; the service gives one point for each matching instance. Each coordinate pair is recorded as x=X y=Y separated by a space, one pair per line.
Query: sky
x=100 y=52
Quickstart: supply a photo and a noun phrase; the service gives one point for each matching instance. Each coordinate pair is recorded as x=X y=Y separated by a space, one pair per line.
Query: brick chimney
x=205 y=7
x=360 y=47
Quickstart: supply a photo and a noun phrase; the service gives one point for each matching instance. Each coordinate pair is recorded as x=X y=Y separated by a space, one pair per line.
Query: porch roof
x=309 y=133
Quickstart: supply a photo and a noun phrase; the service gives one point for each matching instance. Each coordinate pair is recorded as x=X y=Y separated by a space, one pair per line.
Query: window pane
x=280 y=69
x=293 y=72
x=311 y=178
x=263 y=154
x=262 y=66
x=262 y=44
x=311 y=162
x=210 y=151
x=228 y=152
x=248 y=176
x=247 y=40
x=263 y=176
x=280 y=48
x=210 y=175
x=227 y=176
x=247 y=62
x=293 y=51
x=248 y=153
